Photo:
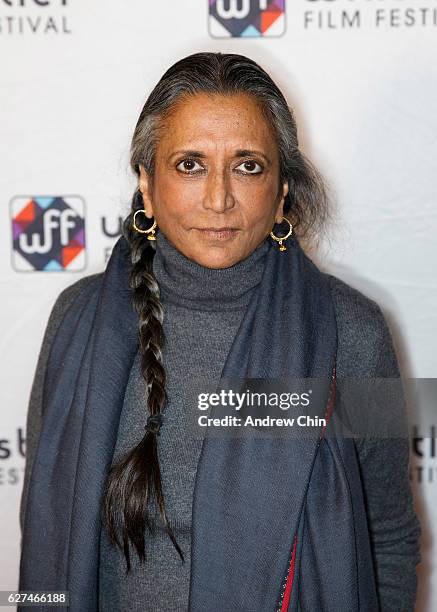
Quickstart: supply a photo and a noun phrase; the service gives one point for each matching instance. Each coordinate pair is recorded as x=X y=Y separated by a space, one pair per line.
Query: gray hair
x=230 y=74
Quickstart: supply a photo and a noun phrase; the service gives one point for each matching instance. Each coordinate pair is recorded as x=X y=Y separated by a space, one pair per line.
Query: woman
x=124 y=504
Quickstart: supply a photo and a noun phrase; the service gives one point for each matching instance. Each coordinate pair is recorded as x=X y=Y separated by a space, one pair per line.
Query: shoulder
x=353 y=308
x=70 y=292
x=64 y=299
x=57 y=313
x=365 y=343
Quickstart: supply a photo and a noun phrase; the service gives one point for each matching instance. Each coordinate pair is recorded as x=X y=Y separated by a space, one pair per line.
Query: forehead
x=206 y=121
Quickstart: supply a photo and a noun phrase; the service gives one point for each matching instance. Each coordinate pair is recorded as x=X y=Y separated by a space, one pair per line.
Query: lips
x=221 y=233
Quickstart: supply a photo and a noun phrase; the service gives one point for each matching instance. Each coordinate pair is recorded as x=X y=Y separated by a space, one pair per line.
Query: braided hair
x=136 y=478
x=137 y=475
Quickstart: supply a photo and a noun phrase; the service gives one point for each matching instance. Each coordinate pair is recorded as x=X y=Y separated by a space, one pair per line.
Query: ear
x=144 y=185
x=280 y=209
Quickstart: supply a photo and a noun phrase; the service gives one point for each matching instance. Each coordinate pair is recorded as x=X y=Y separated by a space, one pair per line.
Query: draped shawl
x=278 y=524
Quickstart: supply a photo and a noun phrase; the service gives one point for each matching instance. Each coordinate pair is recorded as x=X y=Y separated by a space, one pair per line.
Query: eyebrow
x=238 y=153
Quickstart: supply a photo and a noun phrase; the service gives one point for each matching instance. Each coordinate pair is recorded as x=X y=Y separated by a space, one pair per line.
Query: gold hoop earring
x=151 y=230
x=282 y=247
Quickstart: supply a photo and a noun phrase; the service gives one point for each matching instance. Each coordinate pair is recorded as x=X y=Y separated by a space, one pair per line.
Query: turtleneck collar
x=184 y=282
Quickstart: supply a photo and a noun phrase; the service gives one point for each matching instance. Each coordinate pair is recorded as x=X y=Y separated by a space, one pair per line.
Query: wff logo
x=248 y=18
x=48 y=233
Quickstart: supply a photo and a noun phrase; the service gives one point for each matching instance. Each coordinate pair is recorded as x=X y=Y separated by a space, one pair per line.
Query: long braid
x=137 y=476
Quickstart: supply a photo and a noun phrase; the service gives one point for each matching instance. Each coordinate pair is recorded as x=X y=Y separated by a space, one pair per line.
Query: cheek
x=169 y=198
x=256 y=190
x=258 y=204
x=175 y=190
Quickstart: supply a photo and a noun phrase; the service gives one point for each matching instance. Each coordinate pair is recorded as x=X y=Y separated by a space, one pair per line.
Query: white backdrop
x=361 y=76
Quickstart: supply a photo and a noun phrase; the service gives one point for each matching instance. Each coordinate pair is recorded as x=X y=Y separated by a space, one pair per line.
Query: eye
x=251 y=167
x=187 y=166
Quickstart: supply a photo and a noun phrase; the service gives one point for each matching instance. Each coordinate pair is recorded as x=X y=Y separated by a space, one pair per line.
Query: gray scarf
x=278 y=523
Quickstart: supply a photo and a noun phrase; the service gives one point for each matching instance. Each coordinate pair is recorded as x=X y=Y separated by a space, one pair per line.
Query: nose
x=218 y=196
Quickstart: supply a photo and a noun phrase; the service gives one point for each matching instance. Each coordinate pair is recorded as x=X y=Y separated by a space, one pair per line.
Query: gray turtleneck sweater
x=203 y=308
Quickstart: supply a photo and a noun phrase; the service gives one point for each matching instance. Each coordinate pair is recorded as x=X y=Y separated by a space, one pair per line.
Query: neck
x=187 y=283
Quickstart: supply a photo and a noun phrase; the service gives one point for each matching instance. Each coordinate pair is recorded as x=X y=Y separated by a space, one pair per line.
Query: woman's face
x=216 y=168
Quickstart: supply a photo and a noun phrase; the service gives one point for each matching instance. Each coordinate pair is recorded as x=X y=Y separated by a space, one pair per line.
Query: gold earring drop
x=151 y=230
x=282 y=247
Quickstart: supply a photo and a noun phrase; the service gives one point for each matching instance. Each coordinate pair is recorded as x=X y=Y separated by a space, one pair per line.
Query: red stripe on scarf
x=290 y=578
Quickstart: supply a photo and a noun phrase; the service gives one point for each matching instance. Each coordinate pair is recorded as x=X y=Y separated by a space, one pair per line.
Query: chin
x=221 y=260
